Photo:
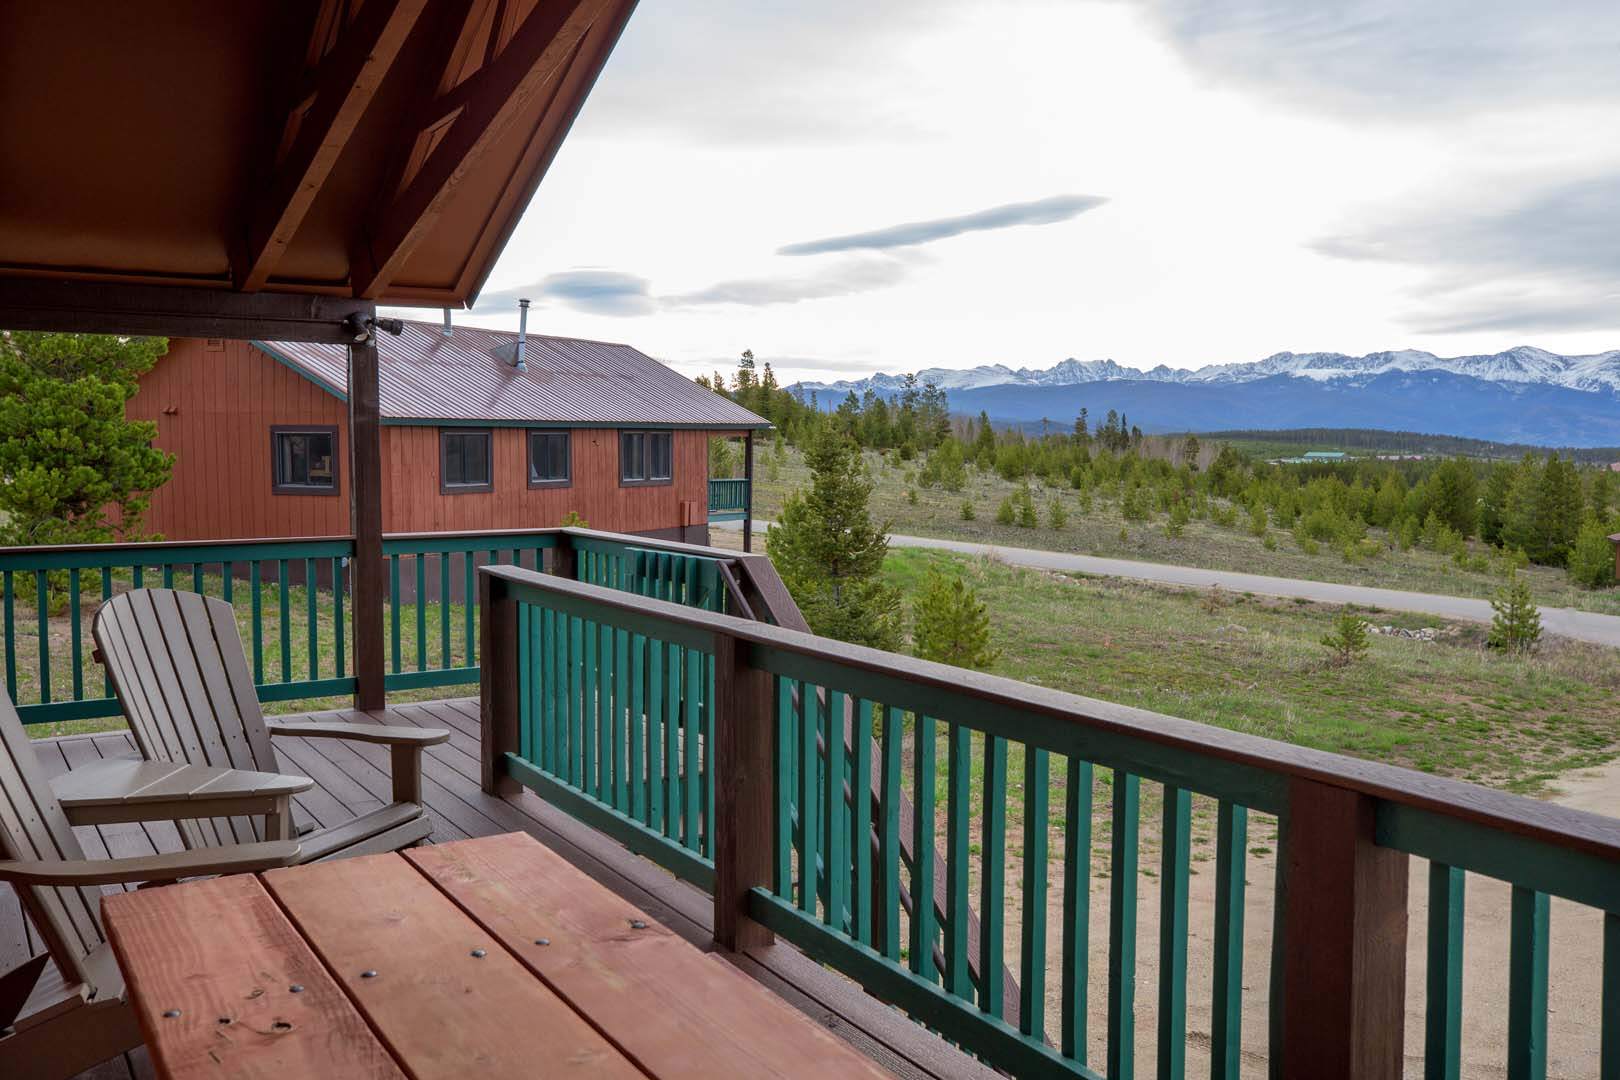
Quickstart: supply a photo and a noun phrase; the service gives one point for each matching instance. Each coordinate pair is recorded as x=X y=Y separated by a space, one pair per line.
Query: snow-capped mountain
x=1598 y=372
x=1522 y=395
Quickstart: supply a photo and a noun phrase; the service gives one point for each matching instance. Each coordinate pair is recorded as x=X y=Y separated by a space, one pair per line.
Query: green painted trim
x=727 y=515
x=458 y=545
x=555 y=425
x=56 y=711
x=421 y=680
x=1175 y=866
x=167 y=557
x=1226 y=1002
x=290 y=691
x=997 y=1042
x=1527 y=985
x=1122 y=887
x=637 y=837
x=1076 y=907
x=298 y=369
x=1572 y=875
x=595 y=611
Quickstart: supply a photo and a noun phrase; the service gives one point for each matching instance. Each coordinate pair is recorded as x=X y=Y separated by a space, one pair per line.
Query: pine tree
x=1591 y=560
x=950 y=624
x=830 y=553
x=76 y=471
x=1348 y=641
x=1515 y=620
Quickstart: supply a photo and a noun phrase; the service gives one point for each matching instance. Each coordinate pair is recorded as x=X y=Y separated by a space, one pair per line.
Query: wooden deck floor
x=352 y=778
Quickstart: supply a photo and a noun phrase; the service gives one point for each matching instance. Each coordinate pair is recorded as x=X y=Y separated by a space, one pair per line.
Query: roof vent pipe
x=446 y=329
x=523 y=335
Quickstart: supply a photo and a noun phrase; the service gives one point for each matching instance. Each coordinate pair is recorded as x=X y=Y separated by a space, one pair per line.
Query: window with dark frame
x=465 y=461
x=548 y=459
x=304 y=461
x=646 y=457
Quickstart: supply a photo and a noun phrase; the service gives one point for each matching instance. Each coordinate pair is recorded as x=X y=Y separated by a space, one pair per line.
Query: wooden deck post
x=1339 y=966
x=365 y=488
x=564 y=559
x=744 y=806
x=748 y=499
x=498 y=684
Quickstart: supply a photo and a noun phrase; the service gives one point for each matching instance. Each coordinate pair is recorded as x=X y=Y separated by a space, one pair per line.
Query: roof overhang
x=277 y=160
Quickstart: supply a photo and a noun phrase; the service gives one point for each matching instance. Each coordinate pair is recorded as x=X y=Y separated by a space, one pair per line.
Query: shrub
x=1591 y=560
x=1056 y=515
x=967 y=510
x=1347 y=642
x=1027 y=517
x=1309 y=546
x=950 y=623
x=911 y=496
x=1516 y=622
x=1006 y=513
x=1257 y=520
x=1269 y=542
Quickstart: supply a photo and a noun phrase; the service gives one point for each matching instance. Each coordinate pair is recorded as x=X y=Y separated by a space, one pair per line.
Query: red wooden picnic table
x=491 y=957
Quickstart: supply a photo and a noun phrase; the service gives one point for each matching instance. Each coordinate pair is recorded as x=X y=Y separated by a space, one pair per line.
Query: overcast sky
x=847 y=186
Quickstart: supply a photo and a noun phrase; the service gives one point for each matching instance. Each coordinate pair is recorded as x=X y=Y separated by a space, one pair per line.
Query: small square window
x=646 y=457
x=464 y=461
x=548 y=459
x=305 y=460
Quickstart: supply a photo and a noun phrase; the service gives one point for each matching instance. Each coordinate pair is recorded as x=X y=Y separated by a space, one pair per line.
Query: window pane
x=548 y=456
x=658 y=466
x=454 y=470
x=304 y=459
x=477 y=456
x=630 y=463
x=320 y=459
x=466 y=458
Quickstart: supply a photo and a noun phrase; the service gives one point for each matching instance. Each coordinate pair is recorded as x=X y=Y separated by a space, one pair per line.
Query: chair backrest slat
x=177 y=665
x=33 y=826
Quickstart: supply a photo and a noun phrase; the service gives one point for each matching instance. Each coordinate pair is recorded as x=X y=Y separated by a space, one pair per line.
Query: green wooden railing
x=608 y=697
x=293 y=605
x=728 y=499
x=294 y=624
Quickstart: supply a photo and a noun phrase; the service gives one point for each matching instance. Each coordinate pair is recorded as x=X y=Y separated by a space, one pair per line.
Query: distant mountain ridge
x=1524 y=395
x=1596 y=372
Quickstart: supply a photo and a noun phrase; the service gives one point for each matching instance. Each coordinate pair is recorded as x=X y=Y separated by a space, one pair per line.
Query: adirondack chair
x=177 y=665
x=64 y=1010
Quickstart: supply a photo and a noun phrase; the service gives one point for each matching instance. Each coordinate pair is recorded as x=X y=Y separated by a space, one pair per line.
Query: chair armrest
x=392 y=734
x=234 y=859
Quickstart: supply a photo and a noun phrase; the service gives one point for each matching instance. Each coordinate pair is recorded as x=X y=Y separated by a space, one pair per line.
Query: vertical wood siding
x=226 y=402
x=214 y=411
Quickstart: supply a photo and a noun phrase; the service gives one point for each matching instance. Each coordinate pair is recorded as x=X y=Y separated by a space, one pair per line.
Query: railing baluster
x=784 y=779
x=137 y=575
x=1076 y=906
x=106 y=594
x=588 y=705
x=444 y=611
x=337 y=611
x=168 y=575
x=861 y=888
x=958 y=754
x=312 y=614
x=421 y=611
x=672 y=742
x=692 y=789
x=992 y=880
x=525 y=680
x=923 y=918
x=469 y=613
x=226 y=572
x=1442 y=1040
x=621 y=720
x=1122 y=928
x=709 y=747
x=1032 y=939
x=636 y=728
x=836 y=860
x=197 y=577
x=1226 y=1019
x=1174 y=868
x=42 y=616
x=655 y=734
x=1609 y=1004
x=282 y=590
x=889 y=839
x=256 y=608
x=809 y=830
x=77 y=630
x=393 y=614
x=604 y=712
x=11 y=636
x=577 y=754
x=1527 y=985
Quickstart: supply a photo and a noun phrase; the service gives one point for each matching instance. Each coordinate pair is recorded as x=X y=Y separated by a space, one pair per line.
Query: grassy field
x=1104 y=531
x=1255 y=664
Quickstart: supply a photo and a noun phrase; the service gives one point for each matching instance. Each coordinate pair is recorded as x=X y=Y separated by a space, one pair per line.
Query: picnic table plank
x=171 y=943
x=440 y=1009
x=674 y=1010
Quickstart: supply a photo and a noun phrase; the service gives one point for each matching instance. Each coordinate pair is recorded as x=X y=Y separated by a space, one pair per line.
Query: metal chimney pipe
x=523 y=335
x=447 y=329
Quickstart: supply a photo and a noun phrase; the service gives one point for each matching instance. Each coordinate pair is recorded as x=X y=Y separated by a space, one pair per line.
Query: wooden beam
x=367 y=582
x=535 y=58
x=498 y=665
x=748 y=508
x=92 y=307
x=346 y=83
x=1339 y=967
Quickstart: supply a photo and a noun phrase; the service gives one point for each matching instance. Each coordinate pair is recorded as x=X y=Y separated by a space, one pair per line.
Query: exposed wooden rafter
x=325 y=114
x=461 y=121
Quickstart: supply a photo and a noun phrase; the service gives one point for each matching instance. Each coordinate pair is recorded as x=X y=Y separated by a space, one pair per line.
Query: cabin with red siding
x=477 y=434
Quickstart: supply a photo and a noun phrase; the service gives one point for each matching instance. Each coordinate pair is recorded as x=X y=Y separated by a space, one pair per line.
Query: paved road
x=1582 y=625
